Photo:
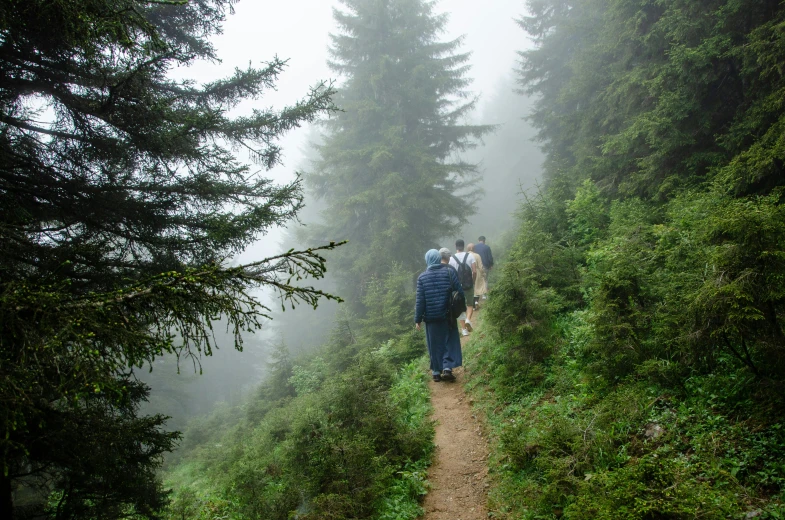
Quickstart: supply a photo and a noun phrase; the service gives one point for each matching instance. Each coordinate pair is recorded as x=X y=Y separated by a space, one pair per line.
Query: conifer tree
x=388 y=170
x=120 y=199
x=649 y=97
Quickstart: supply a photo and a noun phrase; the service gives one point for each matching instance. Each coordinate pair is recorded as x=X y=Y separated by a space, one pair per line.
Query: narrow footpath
x=459 y=471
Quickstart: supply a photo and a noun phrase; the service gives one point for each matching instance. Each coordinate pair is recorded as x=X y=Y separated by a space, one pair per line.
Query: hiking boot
x=437 y=378
x=469 y=326
x=447 y=375
x=464 y=332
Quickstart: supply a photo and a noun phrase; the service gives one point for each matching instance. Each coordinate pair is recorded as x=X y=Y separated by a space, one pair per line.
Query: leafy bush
x=631 y=403
x=308 y=379
x=355 y=448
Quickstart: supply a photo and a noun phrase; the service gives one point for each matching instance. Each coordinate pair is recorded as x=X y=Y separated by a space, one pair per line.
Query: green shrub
x=353 y=444
x=308 y=379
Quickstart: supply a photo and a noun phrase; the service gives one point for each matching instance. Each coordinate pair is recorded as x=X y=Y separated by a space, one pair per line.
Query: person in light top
x=487 y=260
x=462 y=260
x=480 y=284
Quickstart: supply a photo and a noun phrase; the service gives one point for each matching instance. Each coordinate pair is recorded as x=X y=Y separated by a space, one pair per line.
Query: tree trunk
x=6 y=498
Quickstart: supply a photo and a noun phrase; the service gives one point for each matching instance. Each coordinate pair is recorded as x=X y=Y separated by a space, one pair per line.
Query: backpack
x=464 y=272
x=456 y=304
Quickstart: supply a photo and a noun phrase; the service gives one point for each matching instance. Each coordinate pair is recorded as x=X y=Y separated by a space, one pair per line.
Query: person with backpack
x=463 y=263
x=438 y=293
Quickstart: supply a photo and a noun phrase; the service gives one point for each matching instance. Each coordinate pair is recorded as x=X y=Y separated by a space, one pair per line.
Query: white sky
x=298 y=30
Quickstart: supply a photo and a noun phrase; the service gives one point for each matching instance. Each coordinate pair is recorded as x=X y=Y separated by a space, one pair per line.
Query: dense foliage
x=388 y=171
x=120 y=199
x=634 y=340
x=329 y=436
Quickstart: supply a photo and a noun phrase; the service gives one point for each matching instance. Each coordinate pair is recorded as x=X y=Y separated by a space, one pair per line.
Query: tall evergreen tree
x=679 y=103
x=648 y=97
x=120 y=198
x=388 y=169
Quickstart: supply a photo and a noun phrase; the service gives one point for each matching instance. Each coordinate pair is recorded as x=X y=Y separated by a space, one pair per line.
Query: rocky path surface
x=459 y=471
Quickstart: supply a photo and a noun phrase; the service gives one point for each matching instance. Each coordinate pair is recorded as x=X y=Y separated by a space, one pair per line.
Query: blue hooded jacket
x=434 y=289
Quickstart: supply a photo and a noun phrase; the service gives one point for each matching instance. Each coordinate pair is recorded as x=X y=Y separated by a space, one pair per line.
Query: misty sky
x=298 y=30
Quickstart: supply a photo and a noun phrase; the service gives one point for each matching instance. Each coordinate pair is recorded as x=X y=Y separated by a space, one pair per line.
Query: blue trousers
x=444 y=345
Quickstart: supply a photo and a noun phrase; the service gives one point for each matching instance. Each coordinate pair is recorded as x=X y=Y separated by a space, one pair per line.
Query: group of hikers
x=448 y=293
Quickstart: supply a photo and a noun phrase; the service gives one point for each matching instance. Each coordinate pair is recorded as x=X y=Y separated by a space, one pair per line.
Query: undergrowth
x=565 y=444
x=348 y=442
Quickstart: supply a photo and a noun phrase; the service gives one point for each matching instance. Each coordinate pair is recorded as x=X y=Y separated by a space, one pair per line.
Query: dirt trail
x=459 y=471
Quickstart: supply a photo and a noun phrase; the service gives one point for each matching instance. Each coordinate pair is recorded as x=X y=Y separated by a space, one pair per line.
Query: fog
x=298 y=30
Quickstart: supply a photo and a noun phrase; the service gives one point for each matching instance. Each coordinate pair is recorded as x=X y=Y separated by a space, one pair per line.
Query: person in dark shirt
x=485 y=253
x=487 y=259
x=434 y=289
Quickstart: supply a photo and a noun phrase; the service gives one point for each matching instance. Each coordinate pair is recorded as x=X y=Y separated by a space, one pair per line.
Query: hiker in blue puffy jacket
x=434 y=291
